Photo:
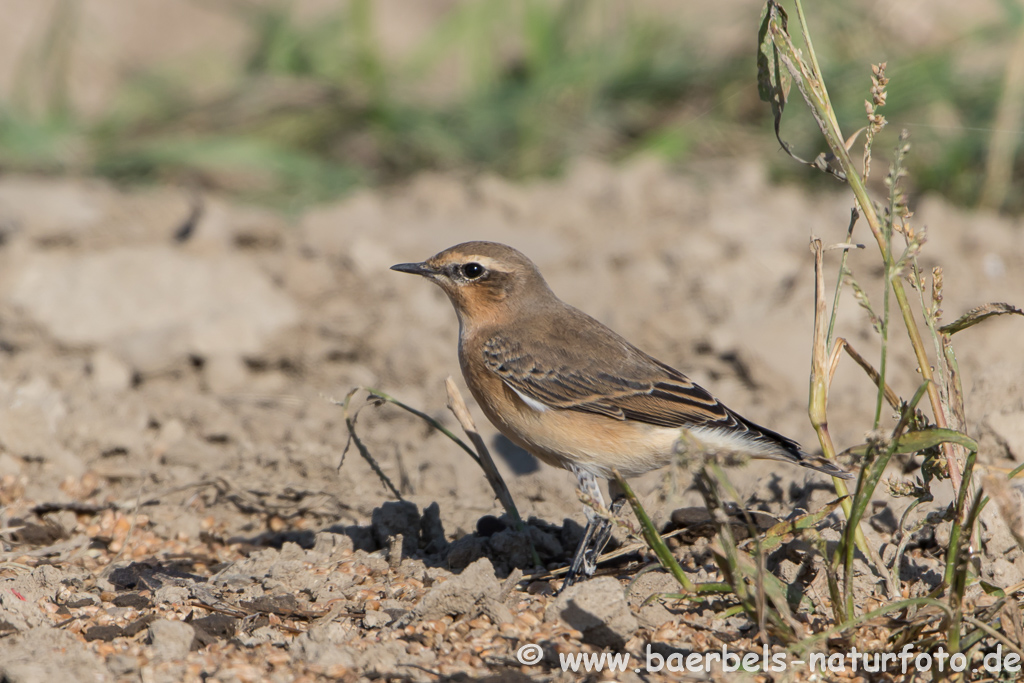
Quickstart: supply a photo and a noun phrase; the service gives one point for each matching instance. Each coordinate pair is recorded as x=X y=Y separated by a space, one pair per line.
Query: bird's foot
x=584 y=561
x=595 y=538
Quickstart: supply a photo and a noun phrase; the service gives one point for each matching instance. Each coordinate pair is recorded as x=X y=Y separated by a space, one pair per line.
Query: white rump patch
x=730 y=441
x=532 y=402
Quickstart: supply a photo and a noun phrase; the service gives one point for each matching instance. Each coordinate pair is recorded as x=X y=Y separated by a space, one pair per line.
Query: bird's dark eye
x=472 y=271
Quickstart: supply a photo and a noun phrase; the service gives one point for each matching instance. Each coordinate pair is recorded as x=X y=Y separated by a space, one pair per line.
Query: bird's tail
x=821 y=464
x=787 y=450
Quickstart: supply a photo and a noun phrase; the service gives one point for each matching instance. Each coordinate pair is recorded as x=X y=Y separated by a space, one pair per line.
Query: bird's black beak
x=414 y=268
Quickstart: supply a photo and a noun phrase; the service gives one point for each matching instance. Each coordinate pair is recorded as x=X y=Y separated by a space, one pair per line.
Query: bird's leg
x=583 y=564
x=605 y=533
x=598 y=530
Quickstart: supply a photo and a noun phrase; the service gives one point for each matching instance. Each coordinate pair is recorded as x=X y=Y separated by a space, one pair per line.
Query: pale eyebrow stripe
x=485 y=261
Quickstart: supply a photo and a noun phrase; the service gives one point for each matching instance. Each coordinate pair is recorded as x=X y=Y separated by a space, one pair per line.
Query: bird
x=570 y=391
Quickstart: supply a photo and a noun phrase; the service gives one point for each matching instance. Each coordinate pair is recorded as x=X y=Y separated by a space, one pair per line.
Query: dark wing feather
x=642 y=389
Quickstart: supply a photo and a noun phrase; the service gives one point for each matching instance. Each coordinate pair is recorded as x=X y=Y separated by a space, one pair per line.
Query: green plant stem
x=805 y=644
x=653 y=538
x=883 y=360
x=957 y=559
x=423 y=416
x=866 y=485
x=740 y=569
x=854 y=214
x=813 y=87
x=982 y=626
x=817 y=404
x=953 y=551
x=816 y=69
x=962 y=568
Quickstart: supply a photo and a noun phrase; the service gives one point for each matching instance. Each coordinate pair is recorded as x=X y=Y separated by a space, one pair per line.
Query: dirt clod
x=598 y=609
x=171 y=640
x=469 y=594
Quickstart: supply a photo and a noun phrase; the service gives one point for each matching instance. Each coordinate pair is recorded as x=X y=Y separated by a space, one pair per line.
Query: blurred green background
x=290 y=103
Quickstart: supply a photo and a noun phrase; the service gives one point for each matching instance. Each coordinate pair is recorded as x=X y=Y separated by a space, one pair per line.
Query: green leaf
x=775 y=535
x=976 y=315
x=807 y=521
x=991 y=589
x=912 y=442
x=773 y=82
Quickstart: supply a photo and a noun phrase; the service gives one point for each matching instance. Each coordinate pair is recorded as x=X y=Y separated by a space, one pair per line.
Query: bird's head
x=485 y=281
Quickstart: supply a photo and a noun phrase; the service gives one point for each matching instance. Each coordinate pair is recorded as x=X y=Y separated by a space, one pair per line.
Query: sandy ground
x=169 y=448
x=174 y=499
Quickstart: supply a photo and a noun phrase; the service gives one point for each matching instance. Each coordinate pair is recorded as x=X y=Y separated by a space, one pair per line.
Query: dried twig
x=353 y=438
x=458 y=407
x=63 y=548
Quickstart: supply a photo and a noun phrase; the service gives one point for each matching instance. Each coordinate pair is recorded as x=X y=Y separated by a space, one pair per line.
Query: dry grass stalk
x=457 y=405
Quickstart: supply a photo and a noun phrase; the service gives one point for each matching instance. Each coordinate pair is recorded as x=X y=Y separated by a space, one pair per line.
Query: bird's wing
x=617 y=380
x=604 y=374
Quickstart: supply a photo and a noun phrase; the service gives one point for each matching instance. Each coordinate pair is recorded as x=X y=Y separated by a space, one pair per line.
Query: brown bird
x=574 y=393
